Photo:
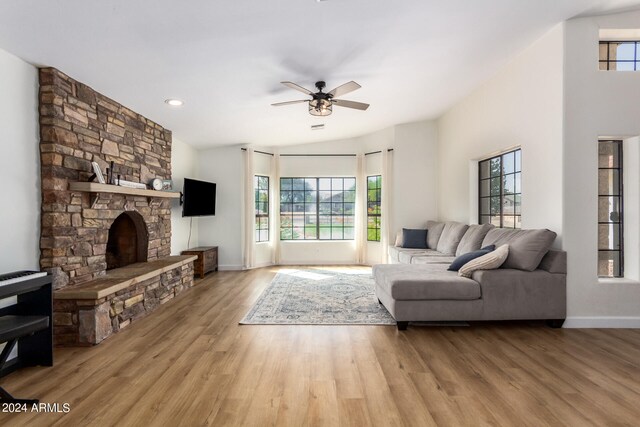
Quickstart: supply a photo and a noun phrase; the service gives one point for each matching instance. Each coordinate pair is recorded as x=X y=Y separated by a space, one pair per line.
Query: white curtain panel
x=275 y=209
x=386 y=220
x=361 y=209
x=249 y=250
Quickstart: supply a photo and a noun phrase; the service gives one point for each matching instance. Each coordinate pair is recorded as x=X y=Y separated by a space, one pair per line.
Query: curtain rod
x=260 y=152
x=378 y=152
x=317 y=155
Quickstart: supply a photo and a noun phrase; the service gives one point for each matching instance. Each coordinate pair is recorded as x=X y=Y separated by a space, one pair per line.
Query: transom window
x=500 y=194
x=610 y=209
x=261 y=188
x=619 y=55
x=317 y=208
x=374 y=189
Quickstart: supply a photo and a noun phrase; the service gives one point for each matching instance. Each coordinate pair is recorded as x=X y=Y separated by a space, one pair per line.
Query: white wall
x=597 y=103
x=184 y=164
x=19 y=168
x=224 y=167
x=19 y=165
x=520 y=106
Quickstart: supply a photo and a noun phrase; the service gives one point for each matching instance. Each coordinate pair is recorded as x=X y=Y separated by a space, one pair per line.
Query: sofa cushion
x=394 y=252
x=473 y=237
x=469 y=256
x=414 y=238
x=526 y=247
x=489 y=261
x=405 y=257
x=434 y=232
x=424 y=282
x=451 y=235
x=432 y=259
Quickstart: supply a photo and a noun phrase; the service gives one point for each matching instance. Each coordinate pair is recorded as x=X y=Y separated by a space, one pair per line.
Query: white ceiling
x=225 y=59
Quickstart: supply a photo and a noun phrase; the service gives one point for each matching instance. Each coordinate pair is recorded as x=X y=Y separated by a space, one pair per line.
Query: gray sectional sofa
x=531 y=284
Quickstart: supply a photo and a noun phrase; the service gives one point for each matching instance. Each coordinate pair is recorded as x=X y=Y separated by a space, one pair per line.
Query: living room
x=540 y=89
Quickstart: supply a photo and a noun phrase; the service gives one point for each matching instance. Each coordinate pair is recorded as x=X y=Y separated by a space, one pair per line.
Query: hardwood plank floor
x=190 y=363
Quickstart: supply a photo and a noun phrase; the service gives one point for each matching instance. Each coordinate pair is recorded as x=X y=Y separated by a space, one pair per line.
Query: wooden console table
x=207 y=259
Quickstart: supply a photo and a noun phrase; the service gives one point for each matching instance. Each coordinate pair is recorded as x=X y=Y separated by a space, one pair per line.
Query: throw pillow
x=465 y=258
x=415 y=239
x=490 y=261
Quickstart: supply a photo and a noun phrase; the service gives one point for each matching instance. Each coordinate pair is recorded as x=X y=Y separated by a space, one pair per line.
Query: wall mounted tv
x=199 y=198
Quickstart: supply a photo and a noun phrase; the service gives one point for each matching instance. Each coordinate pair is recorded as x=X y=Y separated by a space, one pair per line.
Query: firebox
x=128 y=240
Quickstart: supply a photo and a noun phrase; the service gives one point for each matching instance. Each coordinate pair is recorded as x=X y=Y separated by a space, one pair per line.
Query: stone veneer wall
x=79 y=125
x=88 y=322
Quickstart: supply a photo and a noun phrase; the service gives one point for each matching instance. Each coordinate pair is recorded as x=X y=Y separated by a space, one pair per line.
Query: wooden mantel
x=94 y=187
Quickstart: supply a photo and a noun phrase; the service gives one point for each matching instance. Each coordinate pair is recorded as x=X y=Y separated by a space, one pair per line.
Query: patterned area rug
x=319 y=297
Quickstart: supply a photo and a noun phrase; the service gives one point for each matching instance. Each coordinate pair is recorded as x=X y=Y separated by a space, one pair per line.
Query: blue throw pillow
x=415 y=239
x=465 y=258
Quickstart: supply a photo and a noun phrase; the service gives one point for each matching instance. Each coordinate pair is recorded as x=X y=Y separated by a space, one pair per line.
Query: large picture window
x=500 y=194
x=317 y=208
x=610 y=209
x=374 y=187
x=261 y=188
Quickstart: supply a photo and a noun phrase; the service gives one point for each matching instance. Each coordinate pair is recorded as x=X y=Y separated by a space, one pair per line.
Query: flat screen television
x=199 y=198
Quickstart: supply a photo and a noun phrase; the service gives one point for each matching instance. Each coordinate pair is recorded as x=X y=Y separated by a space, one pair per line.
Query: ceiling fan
x=321 y=103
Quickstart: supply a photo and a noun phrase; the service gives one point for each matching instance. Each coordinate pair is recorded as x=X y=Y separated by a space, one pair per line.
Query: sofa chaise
x=530 y=284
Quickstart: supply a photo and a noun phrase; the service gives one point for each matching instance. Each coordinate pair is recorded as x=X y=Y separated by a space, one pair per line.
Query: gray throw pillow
x=414 y=238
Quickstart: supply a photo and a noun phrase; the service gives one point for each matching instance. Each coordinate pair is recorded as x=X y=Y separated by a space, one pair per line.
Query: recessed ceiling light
x=174 y=102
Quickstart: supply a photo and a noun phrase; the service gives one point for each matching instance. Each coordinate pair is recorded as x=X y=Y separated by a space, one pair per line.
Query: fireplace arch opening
x=128 y=240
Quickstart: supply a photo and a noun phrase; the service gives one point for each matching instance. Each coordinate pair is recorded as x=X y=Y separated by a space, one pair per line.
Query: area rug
x=319 y=297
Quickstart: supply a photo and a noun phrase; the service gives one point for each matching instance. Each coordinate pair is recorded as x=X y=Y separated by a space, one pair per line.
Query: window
x=317 y=208
x=261 y=187
x=610 y=221
x=500 y=195
x=374 y=187
x=619 y=56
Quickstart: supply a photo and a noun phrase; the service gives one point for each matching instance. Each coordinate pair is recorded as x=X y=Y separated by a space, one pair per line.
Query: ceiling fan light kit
x=321 y=103
x=320 y=107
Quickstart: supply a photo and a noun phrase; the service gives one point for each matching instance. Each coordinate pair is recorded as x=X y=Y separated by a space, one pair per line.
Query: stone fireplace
x=86 y=235
x=78 y=126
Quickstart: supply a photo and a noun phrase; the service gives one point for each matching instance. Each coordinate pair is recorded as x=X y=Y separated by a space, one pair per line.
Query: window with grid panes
x=610 y=210
x=261 y=188
x=317 y=208
x=619 y=55
x=500 y=196
x=374 y=188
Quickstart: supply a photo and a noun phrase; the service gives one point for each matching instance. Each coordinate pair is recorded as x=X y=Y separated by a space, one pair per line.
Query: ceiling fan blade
x=278 y=104
x=344 y=89
x=350 y=104
x=297 y=87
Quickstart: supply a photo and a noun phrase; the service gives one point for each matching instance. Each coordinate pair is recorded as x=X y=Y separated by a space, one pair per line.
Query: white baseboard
x=229 y=267
x=601 y=322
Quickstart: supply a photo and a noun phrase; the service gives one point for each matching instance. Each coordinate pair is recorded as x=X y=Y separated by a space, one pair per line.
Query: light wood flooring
x=190 y=363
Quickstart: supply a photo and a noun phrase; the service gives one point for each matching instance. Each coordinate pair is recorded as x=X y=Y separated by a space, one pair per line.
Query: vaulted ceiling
x=225 y=59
